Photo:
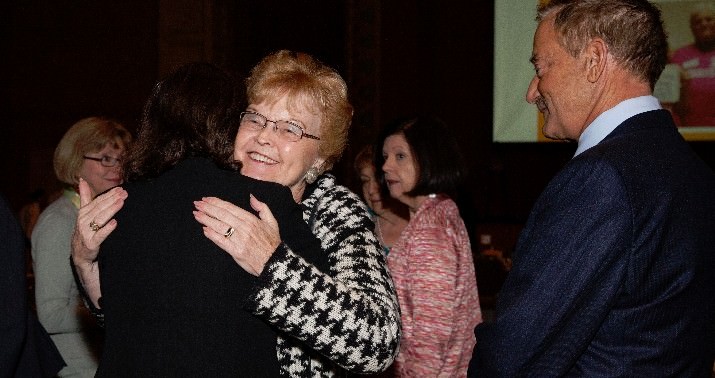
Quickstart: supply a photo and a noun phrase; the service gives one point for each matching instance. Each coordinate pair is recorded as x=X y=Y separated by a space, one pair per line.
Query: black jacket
x=173 y=301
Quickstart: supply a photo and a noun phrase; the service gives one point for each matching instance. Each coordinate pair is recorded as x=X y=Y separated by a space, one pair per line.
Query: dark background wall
x=62 y=61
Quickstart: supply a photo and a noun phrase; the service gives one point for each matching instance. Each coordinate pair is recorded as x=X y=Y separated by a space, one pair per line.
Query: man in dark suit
x=614 y=272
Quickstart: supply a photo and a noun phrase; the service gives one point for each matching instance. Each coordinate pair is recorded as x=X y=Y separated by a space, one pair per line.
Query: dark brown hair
x=193 y=112
x=365 y=157
x=435 y=151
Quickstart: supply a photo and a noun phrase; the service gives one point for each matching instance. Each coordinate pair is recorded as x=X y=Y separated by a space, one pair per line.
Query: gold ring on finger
x=94 y=226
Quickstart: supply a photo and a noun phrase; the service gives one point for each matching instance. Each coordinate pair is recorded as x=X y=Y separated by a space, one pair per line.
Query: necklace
x=380 y=235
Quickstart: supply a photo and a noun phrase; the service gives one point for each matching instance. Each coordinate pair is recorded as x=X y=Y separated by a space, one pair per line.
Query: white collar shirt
x=607 y=121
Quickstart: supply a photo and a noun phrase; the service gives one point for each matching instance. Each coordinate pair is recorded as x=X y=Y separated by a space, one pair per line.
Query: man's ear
x=596 y=59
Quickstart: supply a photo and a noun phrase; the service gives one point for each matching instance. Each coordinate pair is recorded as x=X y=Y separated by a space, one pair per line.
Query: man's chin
x=547 y=131
x=550 y=133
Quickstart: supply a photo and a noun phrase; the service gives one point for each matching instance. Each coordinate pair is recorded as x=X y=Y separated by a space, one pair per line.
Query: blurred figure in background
x=92 y=150
x=26 y=350
x=390 y=216
x=30 y=212
x=431 y=263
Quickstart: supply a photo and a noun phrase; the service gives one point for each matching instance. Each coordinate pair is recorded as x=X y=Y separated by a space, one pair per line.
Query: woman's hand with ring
x=94 y=221
x=250 y=240
x=94 y=224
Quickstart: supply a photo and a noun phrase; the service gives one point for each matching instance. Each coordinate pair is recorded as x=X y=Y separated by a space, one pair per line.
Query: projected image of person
x=697 y=64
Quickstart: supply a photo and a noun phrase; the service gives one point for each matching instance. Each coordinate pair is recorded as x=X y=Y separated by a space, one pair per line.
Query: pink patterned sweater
x=433 y=270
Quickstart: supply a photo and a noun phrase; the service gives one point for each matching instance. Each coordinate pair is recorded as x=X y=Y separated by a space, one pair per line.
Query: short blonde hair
x=310 y=83
x=86 y=136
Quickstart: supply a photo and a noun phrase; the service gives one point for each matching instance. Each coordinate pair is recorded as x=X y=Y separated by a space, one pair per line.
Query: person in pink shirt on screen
x=697 y=64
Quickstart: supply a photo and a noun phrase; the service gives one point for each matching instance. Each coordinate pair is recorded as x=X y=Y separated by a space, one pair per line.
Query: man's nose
x=532 y=93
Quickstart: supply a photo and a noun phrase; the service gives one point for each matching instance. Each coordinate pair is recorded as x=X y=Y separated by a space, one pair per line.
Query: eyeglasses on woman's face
x=287 y=130
x=106 y=161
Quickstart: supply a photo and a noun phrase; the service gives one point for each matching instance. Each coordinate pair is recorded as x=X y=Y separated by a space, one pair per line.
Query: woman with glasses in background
x=90 y=150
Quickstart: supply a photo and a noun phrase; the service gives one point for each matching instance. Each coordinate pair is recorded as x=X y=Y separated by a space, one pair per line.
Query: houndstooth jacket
x=349 y=315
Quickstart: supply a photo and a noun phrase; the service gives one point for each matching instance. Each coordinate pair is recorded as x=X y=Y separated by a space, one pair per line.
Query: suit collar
x=609 y=120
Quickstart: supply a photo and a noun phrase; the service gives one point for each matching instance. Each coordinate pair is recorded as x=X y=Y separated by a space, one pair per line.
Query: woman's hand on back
x=253 y=239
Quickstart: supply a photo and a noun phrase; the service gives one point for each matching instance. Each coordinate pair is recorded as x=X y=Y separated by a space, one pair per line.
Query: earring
x=311 y=175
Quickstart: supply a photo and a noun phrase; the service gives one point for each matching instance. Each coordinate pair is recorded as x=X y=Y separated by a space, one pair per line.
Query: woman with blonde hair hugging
x=295 y=127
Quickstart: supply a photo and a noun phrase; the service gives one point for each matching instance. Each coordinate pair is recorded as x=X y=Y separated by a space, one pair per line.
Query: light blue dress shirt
x=607 y=121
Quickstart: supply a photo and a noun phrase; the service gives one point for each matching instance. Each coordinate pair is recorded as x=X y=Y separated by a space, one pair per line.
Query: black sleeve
x=97 y=313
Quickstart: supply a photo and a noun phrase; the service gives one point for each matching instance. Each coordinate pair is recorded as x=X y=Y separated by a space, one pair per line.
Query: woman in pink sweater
x=431 y=263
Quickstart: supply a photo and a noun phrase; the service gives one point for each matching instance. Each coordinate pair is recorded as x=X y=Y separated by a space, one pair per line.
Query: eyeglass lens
x=286 y=129
x=106 y=161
